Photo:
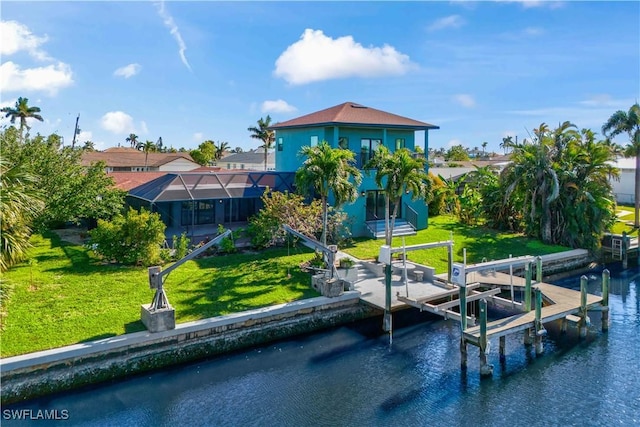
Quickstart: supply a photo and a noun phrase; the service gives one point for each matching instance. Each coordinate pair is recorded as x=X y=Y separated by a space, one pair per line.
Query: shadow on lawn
x=242 y=282
x=81 y=261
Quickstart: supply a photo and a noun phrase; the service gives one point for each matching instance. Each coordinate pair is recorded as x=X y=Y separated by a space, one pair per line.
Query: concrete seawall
x=36 y=374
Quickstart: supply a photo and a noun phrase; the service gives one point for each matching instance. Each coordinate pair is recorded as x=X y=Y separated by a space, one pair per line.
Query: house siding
x=294 y=139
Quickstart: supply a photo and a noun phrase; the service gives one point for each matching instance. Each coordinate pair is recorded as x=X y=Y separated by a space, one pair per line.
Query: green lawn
x=66 y=296
x=626 y=215
x=481 y=243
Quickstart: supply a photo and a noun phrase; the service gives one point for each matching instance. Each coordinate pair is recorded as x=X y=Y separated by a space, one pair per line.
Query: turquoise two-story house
x=359 y=129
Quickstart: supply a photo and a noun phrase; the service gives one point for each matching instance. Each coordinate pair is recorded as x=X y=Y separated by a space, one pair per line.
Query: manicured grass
x=626 y=217
x=480 y=243
x=65 y=296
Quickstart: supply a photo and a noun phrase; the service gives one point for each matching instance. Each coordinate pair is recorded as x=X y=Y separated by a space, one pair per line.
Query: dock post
x=463 y=308
x=540 y=330
x=527 y=287
x=450 y=258
x=386 y=324
x=527 y=301
x=463 y=353
x=625 y=250
x=605 y=300
x=583 y=306
x=503 y=348
x=485 y=368
x=539 y=269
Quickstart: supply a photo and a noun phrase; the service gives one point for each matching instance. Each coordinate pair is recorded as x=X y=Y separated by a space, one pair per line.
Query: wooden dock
x=563 y=302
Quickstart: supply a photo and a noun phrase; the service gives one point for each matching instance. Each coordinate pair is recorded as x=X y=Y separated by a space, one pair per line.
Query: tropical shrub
x=134 y=238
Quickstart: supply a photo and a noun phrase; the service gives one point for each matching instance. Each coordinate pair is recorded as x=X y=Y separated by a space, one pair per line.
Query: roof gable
x=353 y=114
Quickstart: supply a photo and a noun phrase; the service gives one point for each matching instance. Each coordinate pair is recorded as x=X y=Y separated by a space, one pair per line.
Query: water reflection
x=350 y=376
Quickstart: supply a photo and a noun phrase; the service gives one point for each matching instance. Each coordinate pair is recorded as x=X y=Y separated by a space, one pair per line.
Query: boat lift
x=329 y=252
x=159 y=315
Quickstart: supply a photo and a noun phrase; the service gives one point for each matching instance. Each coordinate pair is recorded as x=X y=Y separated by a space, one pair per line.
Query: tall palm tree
x=533 y=175
x=328 y=170
x=484 y=147
x=629 y=123
x=23 y=112
x=20 y=204
x=147 y=147
x=397 y=174
x=264 y=134
x=133 y=140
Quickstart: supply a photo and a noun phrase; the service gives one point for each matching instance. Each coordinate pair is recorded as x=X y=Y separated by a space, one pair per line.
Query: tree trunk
x=324 y=220
x=387 y=230
x=265 y=156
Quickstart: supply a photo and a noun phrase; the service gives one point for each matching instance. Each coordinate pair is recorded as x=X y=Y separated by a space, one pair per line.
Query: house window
x=367 y=149
x=314 y=141
x=343 y=142
x=234 y=165
x=400 y=143
x=280 y=144
x=242 y=166
x=228 y=165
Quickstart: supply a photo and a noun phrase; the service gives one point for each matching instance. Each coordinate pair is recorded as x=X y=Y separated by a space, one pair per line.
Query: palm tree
x=484 y=147
x=23 y=112
x=397 y=174
x=89 y=146
x=629 y=123
x=147 y=146
x=533 y=174
x=133 y=140
x=221 y=147
x=264 y=134
x=326 y=170
x=20 y=204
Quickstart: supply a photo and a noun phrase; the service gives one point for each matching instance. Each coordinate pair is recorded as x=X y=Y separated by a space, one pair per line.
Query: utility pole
x=76 y=131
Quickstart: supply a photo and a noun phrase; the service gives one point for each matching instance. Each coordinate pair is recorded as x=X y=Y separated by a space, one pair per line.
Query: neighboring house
x=123 y=159
x=360 y=129
x=249 y=160
x=624 y=189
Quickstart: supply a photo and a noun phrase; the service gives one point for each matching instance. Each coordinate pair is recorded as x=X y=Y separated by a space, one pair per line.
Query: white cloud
x=143 y=127
x=454 y=142
x=17 y=37
x=277 y=106
x=198 y=137
x=535 y=3
x=127 y=71
x=84 y=136
x=174 y=31
x=533 y=31
x=48 y=79
x=316 y=57
x=8 y=103
x=465 y=100
x=118 y=122
x=451 y=21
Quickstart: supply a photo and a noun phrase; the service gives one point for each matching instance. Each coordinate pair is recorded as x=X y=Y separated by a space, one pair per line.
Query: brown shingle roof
x=354 y=114
x=128 y=180
x=130 y=158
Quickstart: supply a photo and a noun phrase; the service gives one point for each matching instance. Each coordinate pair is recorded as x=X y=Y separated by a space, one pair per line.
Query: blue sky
x=191 y=71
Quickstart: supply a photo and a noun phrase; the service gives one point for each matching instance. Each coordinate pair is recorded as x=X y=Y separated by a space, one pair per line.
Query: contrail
x=173 y=29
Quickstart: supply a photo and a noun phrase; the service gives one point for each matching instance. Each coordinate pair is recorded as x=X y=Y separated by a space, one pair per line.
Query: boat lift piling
x=605 y=300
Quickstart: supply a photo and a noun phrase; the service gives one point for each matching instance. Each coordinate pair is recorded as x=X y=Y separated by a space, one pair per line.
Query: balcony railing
x=411 y=216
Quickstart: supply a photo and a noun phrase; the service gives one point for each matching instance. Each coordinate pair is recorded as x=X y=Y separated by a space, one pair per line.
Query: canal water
x=352 y=376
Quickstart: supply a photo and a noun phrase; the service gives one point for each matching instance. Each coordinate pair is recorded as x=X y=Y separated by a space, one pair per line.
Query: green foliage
x=264 y=134
x=457 y=153
x=22 y=111
x=132 y=239
x=279 y=209
x=470 y=205
x=181 y=246
x=328 y=170
x=73 y=191
x=397 y=174
x=20 y=203
x=560 y=182
x=205 y=153
x=227 y=245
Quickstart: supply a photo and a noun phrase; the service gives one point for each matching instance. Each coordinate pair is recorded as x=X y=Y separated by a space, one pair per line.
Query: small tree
x=134 y=238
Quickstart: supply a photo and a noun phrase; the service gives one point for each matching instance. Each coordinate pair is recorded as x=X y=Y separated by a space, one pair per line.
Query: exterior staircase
x=400 y=228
